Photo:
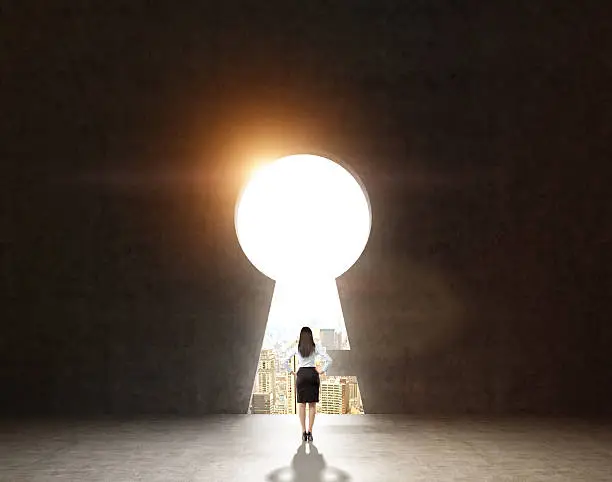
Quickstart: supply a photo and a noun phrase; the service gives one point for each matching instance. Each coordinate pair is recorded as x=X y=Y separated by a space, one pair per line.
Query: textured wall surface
x=482 y=133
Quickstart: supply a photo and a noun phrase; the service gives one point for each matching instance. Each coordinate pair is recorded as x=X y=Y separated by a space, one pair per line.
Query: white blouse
x=310 y=360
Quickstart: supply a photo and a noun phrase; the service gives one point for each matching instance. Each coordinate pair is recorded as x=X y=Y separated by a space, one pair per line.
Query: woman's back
x=309 y=360
x=307 y=380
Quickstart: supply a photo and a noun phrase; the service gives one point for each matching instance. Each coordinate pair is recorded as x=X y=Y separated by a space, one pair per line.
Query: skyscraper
x=334 y=397
x=353 y=389
x=261 y=403
x=266 y=373
x=280 y=397
x=290 y=387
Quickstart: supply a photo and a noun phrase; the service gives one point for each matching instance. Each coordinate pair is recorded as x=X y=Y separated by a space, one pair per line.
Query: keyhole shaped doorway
x=303 y=220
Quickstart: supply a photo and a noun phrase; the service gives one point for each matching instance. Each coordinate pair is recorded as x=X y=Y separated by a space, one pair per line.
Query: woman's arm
x=288 y=356
x=322 y=352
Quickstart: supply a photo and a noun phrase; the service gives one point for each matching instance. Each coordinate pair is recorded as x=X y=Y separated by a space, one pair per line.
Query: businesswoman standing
x=307 y=380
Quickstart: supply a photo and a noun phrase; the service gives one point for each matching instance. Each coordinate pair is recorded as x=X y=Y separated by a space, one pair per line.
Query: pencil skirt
x=307 y=385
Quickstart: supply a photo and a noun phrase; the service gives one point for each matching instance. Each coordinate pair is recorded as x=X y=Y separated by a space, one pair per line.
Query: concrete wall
x=481 y=132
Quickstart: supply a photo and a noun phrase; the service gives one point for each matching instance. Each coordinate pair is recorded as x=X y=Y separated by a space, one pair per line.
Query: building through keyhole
x=303 y=220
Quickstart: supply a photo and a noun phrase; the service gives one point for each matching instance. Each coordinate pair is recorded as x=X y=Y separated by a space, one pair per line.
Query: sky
x=294 y=306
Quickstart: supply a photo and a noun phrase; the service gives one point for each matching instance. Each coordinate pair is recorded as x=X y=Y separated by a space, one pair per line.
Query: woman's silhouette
x=307 y=379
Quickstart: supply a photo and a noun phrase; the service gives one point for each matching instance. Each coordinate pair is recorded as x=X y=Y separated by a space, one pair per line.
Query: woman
x=307 y=379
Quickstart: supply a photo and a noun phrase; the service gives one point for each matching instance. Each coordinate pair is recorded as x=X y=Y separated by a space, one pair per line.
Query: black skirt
x=307 y=385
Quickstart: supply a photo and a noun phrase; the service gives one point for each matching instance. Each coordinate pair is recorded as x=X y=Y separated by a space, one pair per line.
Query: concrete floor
x=268 y=448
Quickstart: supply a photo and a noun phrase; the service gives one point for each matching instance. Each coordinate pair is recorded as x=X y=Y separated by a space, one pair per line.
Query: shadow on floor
x=308 y=465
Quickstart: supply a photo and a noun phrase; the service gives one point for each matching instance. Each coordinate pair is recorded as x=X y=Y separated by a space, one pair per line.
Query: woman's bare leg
x=302 y=413
x=312 y=411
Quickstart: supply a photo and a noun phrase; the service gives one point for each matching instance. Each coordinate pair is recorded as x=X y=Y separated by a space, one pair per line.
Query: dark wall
x=481 y=131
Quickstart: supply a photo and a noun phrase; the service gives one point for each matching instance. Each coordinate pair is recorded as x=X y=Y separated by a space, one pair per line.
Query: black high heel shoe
x=304 y=436
x=309 y=435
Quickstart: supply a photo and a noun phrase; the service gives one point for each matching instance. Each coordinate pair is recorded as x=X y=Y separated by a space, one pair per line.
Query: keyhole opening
x=303 y=220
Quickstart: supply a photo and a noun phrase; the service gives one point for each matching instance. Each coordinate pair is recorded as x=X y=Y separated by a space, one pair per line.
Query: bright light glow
x=303 y=217
x=314 y=303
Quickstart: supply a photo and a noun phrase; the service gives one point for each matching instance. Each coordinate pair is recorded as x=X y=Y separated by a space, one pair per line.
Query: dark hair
x=306 y=345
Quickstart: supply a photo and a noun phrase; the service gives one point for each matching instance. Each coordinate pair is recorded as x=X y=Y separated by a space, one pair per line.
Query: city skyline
x=314 y=303
x=274 y=388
